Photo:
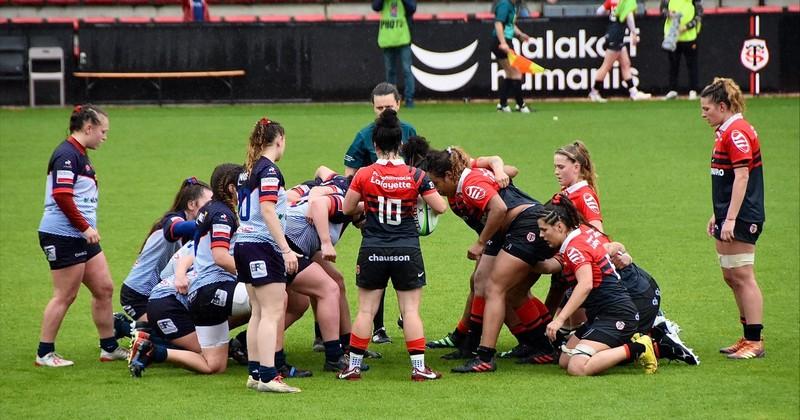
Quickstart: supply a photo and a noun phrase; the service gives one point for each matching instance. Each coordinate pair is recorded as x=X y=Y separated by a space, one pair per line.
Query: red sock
x=528 y=315
x=358 y=345
x=476 y=312
x=416 y=346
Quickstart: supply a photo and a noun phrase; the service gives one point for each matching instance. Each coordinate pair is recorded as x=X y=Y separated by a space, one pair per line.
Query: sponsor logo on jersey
x=167 y=326
x=67 y=164
x=591 y=203
x=474 y=192
x=221 y=230
x=575 y=256
x=740 y=141
x=389 y=182
x=753 y=228
x=269 y=184
x=389 y=258
x=717 y=172
x=531 y=236
x=50 y=252
x=620 y=325
x=64 y=177
x=258 y=269
x=220 y=298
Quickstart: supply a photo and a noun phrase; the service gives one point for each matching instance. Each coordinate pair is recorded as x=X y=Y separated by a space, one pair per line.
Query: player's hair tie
x=191 y=180
x=265 y=122
x=449 y=150
x=556 y=199
x=77 y=109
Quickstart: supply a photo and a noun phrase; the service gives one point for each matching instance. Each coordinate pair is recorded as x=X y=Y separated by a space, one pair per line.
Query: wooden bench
x=155 y=78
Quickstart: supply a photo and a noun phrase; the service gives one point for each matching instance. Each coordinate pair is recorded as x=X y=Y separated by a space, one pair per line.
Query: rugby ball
x=426 y=218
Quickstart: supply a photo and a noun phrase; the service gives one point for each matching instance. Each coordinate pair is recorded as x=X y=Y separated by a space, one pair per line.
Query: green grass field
x=653 y=161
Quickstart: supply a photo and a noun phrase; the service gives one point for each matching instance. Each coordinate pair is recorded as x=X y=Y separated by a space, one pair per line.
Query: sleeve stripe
x=63 y=190
x=220 y=244
x=272 y=198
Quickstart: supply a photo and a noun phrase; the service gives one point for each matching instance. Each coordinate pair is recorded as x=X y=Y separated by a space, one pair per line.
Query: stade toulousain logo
x=591 y=203
x=740 y=141
x=755 y=54
x=447 y=78
x=475 y=193
x=575 y=256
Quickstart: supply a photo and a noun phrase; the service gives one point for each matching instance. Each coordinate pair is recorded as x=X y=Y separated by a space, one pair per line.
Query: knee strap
x=736 y=260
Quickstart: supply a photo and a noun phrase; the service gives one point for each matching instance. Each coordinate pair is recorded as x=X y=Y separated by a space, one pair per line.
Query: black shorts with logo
x=133 y=303
x=744 y=231
x=258 y=263
x=612 y=330
x=169 y=318
x=403 y=265
x=615 y=36
x=522 y=239
x=66 y=251
x=211 y=304
x=495 y=47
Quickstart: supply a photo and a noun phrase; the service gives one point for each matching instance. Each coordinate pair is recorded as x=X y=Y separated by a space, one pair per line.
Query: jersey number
x=392 y=209
x=244 y=204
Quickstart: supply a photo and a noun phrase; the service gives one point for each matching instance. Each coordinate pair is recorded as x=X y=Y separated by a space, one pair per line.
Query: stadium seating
x=13 y=57
x=275 y=18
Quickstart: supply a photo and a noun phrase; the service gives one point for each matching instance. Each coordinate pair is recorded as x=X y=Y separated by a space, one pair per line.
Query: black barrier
x=341 y=61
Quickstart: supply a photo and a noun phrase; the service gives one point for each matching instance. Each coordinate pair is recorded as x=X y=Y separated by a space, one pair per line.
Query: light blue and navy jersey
x=166 y=288
x=264 y=183
x=169 y=269
x=304 y=235
x=156 y=253
x=216 y=225
x=362 y=151
x=69 y=171
x=505 y=12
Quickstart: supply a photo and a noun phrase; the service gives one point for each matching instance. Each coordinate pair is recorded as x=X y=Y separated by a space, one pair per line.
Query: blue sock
x=267 y=374
x=45 y=348
x=252 y=367
x=333 y=350
x=159 y=353
x=280 y=358
x=109 y=344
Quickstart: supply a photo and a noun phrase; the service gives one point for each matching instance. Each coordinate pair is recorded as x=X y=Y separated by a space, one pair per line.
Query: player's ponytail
x=577 y=152
x=82 y=114
x=222 y=178
x=561 y=209
x=191 y=189
x=387 y=134
x=459 y=160
x=264 y=134
x=725 y=90
x=415 y=150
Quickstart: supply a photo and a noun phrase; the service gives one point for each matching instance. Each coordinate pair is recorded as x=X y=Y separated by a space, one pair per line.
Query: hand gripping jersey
x=475 y=189
x=737 y=146
x=69 y=171
x=304 y=235
x=166 y=287
x=156 y=253
x=585 y=246
x=216 y=225
x=264 y=183
x=389 y=190
x=585 y=200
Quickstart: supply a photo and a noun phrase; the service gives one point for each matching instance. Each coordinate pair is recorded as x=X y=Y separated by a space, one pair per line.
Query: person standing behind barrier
x=362 y=153
x=620 y=12
x=689 y=14
x=394 y=38
x=503 y=32
x=195 y=11
x=737 y=192
x=69 y=238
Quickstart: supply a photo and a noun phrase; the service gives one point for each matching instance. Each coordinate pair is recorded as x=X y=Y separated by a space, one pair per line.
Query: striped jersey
x=737 y=146
x=156 y=253
x=264 y=183
x=304 y=235
x=216 y=225
x=475 y=189
x=585 y=200
x=69 y=171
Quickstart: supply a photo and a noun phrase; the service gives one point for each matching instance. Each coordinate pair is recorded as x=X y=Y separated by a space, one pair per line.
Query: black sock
x=317 y=332
x=503 y=91
x=628 y=84
x=280 y=358
x=598 y=85
x=377 y=322
x=242 y=338
x=636 y=349
x=517 y=86
x=752 y=332
x=122 y=327
x=45 y=348
x=344 y=340
x=486 y=354
x=473 y=337
x=108 y=344
x=159 y=353
x=333 y=350
x=252 y=367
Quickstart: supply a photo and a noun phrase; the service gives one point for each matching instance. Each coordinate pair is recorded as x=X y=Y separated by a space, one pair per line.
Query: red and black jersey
x=585 y=200
x=737 y=146
x=390 y=190
x=585 y=246
x=475 y=189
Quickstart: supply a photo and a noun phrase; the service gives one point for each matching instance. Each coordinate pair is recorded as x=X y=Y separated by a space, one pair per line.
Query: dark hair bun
x=388 y=119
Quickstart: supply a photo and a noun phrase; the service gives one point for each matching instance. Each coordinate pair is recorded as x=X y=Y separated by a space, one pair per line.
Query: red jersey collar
x=77 y=145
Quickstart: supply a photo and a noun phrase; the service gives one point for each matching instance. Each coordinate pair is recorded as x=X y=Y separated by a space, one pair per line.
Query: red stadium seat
x=3 y=20
x=214 y=18
x=61 y=19
x=99 y=20
x=27 y=3
x=98 y=2
x=653 y=11
x=373 y=17
x=451 y=16
x=134 y=19
x=134 y=2
x=275 y=18
x=793 y=8
x=168 y=19
x=63 y=2
x=535 y=14
x=241 y=19
x=310 y=18
x=27 y=20
x=423 y=16
x=726 y=11
x=484 y=16
x=166 y=2
x=347 y=18
x=766 y=9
